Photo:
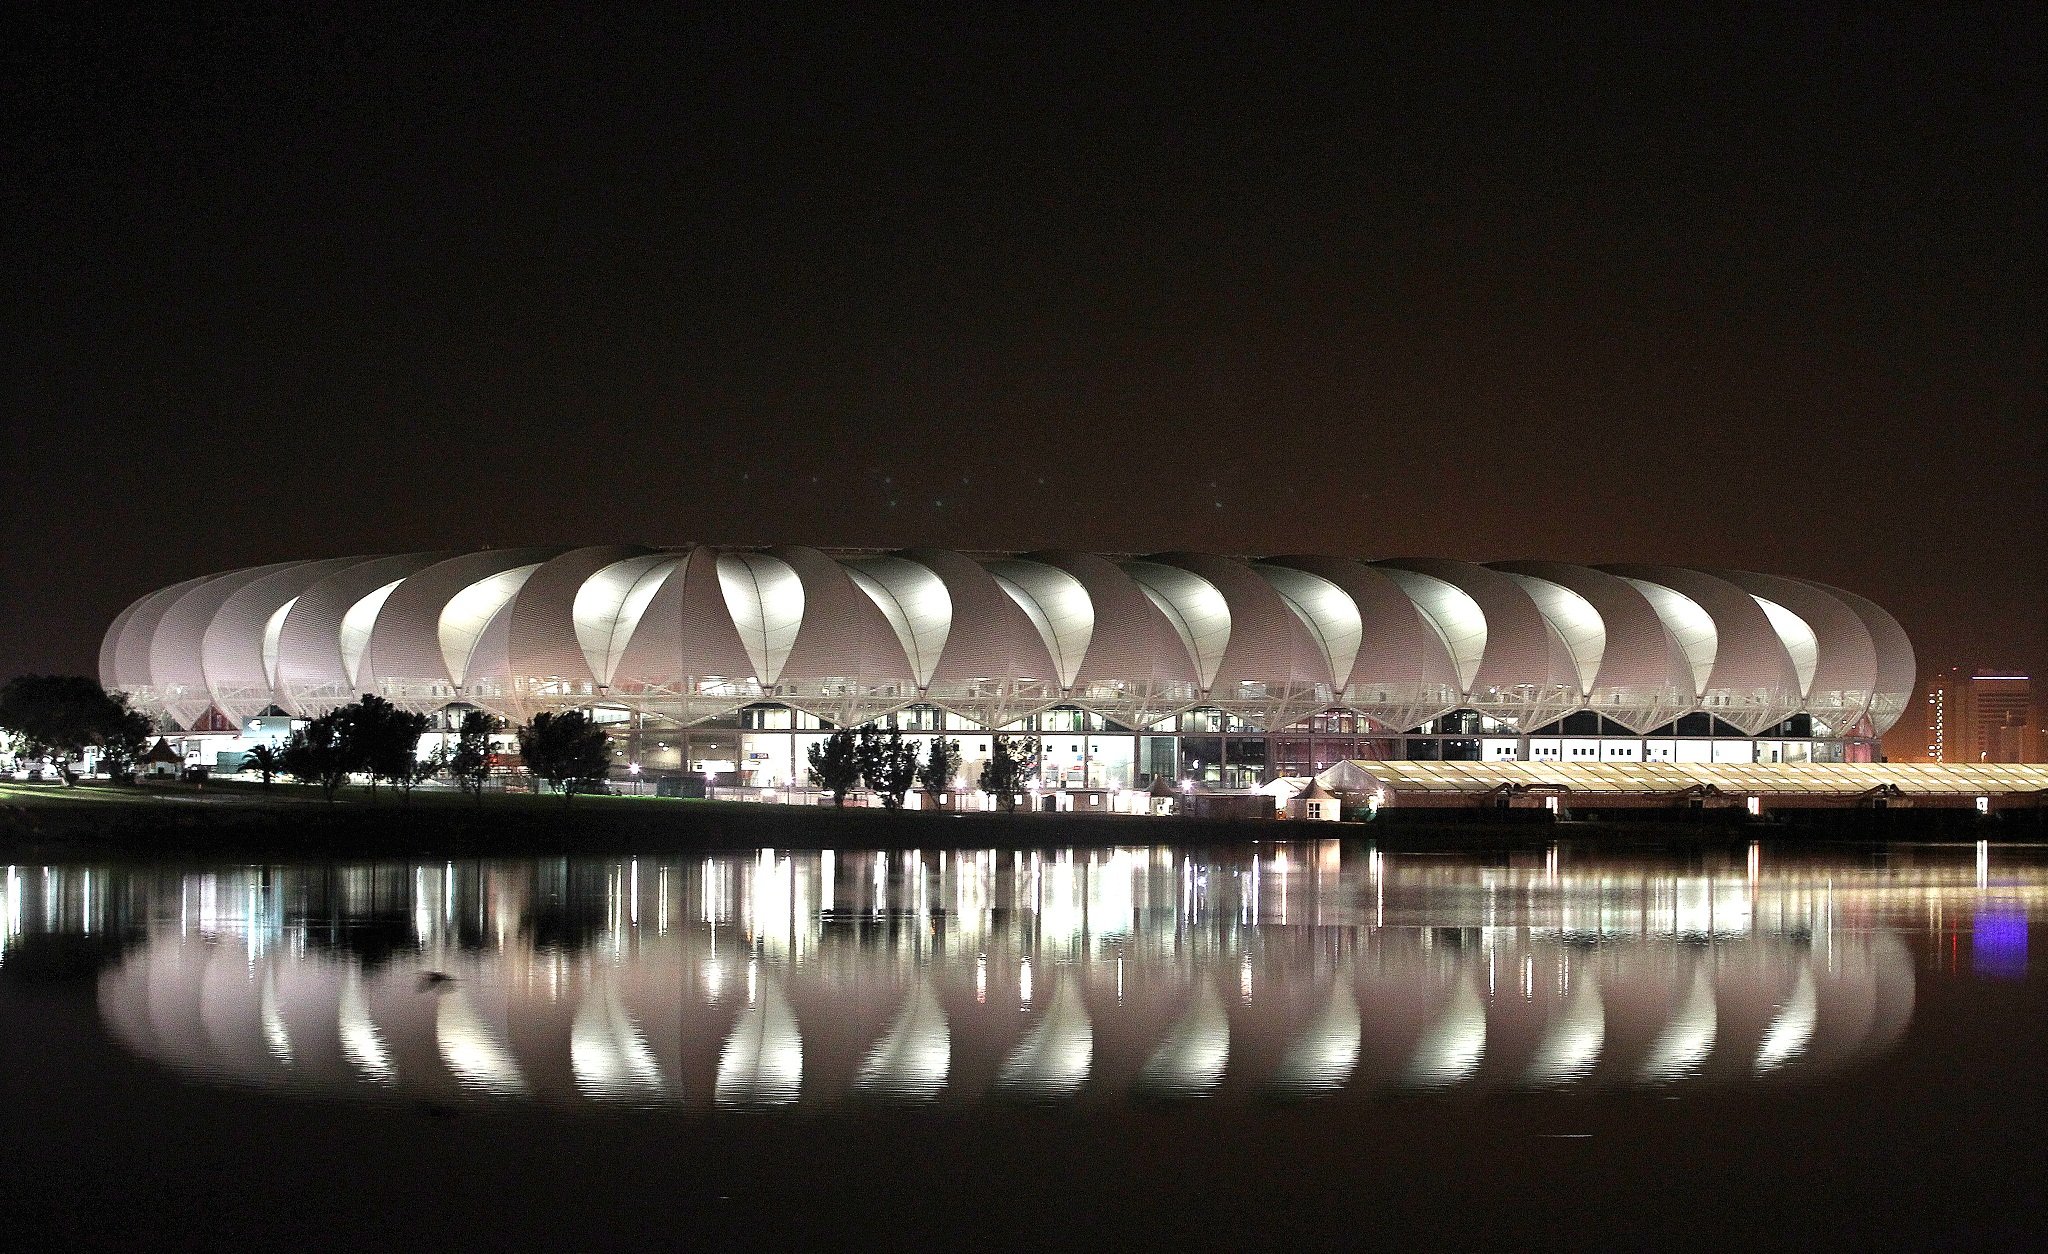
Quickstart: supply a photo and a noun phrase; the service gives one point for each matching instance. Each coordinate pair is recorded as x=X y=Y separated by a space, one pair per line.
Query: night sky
x=1761 y=292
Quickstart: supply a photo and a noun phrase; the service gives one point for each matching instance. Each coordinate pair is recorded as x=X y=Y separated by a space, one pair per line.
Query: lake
x=1330 y=1042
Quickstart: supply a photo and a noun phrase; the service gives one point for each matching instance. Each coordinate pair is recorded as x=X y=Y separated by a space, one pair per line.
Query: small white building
x=161 y=762
x=1318 y=804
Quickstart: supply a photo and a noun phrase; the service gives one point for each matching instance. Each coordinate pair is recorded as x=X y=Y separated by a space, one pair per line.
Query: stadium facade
x=1125 y=669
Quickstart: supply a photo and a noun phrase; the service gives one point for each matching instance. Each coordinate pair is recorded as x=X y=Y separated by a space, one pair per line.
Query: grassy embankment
x=235 y=818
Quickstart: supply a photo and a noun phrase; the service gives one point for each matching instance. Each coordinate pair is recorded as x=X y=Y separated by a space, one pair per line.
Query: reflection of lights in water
x=1688 y=1038
x=1791 y=1032
x=274 y=1036
x=1452 y=1046
x=1323 y=1057
x=1052 y=1062
x=1190 y=1061
x=910 y=1062
x=561 y=1021
x=361 y=1043
x=762 y=1061
x=1572 y=1045
x=1998 y=942
x=473 y=1050
x=608 y=1055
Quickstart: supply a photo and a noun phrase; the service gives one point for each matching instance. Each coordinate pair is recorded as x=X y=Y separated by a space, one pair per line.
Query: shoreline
x=146 y=824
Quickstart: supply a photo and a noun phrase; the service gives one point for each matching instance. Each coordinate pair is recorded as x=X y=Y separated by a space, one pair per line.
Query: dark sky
x=1762 y=292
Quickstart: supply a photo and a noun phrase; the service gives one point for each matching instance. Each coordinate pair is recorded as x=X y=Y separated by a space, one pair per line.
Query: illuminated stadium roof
x=696 y=633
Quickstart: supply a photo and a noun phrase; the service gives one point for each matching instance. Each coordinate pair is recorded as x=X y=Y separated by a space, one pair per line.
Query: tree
x=889 y=766
x=386 y=741
x=940 y=766
x=470 y=761
x=322 y=753
x=125 y=740
x=422 y=770
x=1010 y=766
x=59 y=716
x=266 y=760
x=869 y=753
x=835 y=765
x=567 y=750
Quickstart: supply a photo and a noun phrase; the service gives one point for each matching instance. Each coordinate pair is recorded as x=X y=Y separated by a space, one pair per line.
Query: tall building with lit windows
x=1120 y=669
x=2005 y=723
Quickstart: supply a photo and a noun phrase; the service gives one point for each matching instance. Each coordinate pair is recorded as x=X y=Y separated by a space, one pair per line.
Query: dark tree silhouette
x=940 y=766
x=59 y=716
x=835 y=764
x=567 y=750
x=386 y=741
x=888 y=765
x=323 y=752
x=1009 y=768
x=470 y=761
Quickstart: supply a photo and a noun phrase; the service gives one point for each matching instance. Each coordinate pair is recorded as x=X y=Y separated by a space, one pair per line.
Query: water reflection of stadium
x=759 y=980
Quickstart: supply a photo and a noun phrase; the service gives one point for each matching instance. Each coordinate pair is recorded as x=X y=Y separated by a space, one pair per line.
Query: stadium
x=1192 y=669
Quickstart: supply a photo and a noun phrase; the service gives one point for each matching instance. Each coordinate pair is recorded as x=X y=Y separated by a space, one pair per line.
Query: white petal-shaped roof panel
x=1692 y=627
x=1458 y=620
x=1644 y=679
x=1843 y=683
x=1575 y=621
x=1527 y=673
x=1328 y=612
x=312 y=675
x=1132 y=643
x=407 y=657
x=1270 y=653
x=358 y=624
x=1897 y=668
x=177 y=647
x=241 y=646
x=766 y=600
x=1058 y=606
x=915 y=602
x=1403 y=672
x=273 y=632
x=1194 y=606
x=610 y=604
x=539 y=652
x=468 y=612
x=1754 y=684
x=1798 y=639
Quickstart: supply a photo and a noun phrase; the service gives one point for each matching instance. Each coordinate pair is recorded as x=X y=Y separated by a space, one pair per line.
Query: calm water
x=1119 y=998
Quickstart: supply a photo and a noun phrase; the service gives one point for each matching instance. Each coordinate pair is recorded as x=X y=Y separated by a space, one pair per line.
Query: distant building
x=1963 y=717
x=2004 y=721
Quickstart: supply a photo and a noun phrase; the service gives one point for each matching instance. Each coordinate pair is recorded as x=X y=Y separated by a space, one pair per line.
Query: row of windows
x=1461 y=723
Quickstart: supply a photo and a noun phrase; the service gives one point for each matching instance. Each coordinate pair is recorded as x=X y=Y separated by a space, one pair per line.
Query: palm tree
x=266 y=760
